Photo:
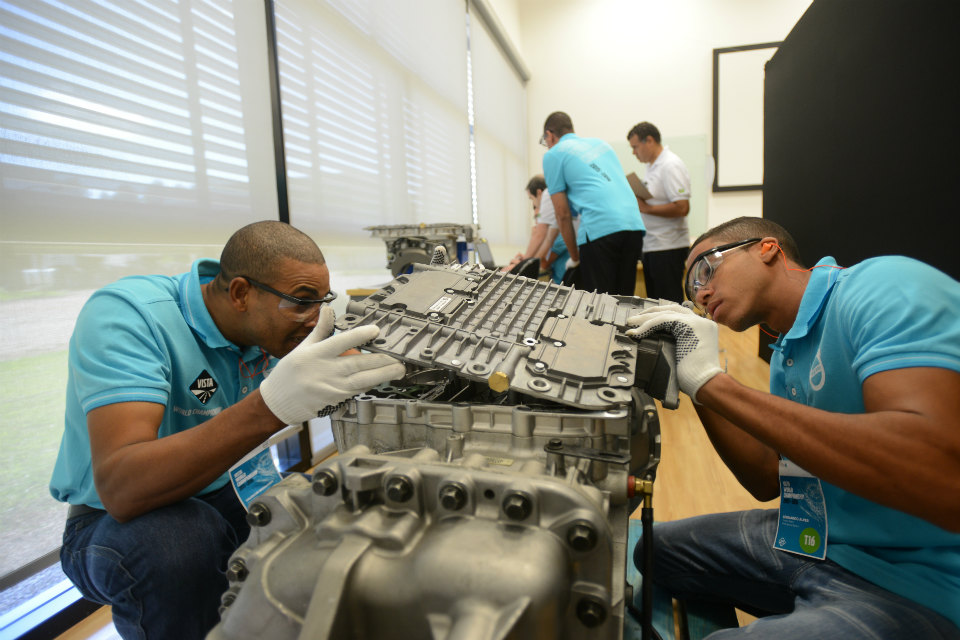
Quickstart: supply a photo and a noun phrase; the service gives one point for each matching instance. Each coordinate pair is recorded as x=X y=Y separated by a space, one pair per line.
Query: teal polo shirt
x=588 y=170
x=148 y=339
x=882 y=314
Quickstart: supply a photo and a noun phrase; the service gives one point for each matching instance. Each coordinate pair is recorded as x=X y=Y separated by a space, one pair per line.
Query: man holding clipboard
x=664 y=200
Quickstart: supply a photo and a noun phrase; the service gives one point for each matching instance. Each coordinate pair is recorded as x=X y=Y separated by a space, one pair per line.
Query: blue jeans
x=728 y=558
x=162 y=572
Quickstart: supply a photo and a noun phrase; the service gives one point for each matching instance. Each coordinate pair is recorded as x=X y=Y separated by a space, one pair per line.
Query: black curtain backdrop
x=862 y=131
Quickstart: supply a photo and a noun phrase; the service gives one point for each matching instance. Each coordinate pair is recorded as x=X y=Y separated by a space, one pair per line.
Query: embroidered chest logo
x=817 y=374
x=204 y=387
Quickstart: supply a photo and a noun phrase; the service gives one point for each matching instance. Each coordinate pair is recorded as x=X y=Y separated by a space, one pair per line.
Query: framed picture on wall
x=738 y=74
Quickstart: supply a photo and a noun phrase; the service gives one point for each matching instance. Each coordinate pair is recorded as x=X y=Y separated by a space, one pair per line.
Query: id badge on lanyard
x=802 y=528
x=255 y=473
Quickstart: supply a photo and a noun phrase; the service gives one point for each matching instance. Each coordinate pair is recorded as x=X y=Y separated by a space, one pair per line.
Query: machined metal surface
x=532 y=337
x=483 y=496
x=410 y=244
x=445 y=520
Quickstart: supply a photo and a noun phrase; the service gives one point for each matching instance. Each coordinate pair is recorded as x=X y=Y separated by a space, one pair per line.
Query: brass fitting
x=499 y=381
x=642 y=486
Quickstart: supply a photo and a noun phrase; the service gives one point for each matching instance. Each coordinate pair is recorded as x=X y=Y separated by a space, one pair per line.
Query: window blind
x=127 y=121
x=374 y=119
x=134 y=137
x=500 y=132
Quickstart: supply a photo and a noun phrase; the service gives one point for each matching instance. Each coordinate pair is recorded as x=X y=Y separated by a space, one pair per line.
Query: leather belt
x=81 y=510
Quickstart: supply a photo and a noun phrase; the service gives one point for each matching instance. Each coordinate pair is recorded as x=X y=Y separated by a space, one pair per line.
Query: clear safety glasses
x=705 y=265
x=292 y=307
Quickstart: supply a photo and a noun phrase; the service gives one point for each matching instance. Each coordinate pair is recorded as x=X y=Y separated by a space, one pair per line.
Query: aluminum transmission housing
x=410 y=244
x=468 y=501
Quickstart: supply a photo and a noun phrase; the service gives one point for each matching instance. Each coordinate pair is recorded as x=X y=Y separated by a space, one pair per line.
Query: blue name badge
x=255 y=473
x=802 y=528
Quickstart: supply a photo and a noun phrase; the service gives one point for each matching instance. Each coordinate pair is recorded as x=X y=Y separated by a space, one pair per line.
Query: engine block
x=457 y=509
x=410 y=244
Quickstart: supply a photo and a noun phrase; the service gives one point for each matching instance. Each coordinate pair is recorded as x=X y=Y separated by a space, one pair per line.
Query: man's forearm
x=675 y=209
x=565 y=223
x=753 y=463
x=151 y=473
x=537 y=234
x=862 y=453
x=543 y=251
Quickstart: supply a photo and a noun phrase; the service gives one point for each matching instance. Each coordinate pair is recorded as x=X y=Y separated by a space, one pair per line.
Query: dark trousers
x=609 y=264
x=162 y=572
x=663 y=273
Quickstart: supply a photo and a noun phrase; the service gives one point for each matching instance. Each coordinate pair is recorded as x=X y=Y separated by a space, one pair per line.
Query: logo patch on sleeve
x=204 y=387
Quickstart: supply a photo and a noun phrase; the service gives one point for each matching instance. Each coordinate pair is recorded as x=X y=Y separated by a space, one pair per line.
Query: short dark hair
x=558 y=123
x=643 y=130
x=257 y=250
x=537 y=183
x=748 y=227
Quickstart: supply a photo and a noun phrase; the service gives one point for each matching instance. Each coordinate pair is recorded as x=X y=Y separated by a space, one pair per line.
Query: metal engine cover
x=536 y=338
x=459 y=508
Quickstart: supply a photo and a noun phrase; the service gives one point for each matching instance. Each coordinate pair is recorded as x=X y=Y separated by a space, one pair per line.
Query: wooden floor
x=691 y=479
x=97 y=626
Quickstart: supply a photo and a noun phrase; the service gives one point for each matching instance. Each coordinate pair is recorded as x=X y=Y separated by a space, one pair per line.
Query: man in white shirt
x=667 y=242
x=544 y=221
x=544 y=233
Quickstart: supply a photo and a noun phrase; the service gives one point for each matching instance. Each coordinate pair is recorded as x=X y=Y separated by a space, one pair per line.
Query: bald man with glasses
x=859 y=437
x=171 y=381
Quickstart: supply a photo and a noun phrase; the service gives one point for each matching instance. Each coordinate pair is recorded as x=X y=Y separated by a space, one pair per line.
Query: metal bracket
x=556 y=446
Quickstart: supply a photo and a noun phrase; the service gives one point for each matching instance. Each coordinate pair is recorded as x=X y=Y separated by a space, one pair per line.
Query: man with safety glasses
x=859 y=437
x=172 y=380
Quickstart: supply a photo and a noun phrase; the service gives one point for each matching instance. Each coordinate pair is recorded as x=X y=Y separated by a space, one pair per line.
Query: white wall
x=613 y=63
x=508 y=12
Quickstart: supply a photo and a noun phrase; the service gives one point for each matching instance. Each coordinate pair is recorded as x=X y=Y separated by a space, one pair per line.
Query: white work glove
x=439 y=257
x=314 y=375
x=571 y=263
x=698 y=357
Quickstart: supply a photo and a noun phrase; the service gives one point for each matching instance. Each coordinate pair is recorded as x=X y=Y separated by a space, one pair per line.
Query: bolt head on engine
x=517 y=506
x=325 y=483
x=258 y=515
x=452 y=497
x=399 y=489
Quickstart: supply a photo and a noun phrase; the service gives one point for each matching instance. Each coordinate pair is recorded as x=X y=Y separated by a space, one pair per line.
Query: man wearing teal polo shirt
x=859 y=436
x=584 y=178
x=172 y=380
